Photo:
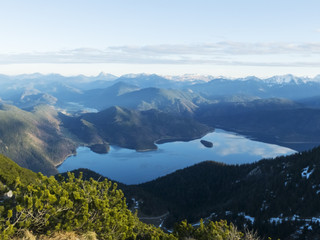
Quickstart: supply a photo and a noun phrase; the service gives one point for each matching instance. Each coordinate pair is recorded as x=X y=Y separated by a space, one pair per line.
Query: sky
x=168 y=37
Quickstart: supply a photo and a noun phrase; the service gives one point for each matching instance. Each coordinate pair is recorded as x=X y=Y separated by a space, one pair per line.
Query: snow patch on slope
x=306 y=173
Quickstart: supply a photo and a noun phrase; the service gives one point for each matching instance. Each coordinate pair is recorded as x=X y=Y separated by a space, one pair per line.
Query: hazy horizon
x=220 y=38
x=188 y=76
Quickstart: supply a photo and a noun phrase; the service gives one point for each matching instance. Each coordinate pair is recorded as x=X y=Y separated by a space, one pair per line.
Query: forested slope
x=33 y=139
x=131 y=128
x=47 y=206
x=278 y=197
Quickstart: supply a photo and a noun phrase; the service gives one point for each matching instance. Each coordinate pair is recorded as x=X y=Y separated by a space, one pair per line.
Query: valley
x=155 y=135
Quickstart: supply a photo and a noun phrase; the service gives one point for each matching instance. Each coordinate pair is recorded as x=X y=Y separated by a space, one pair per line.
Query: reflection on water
x=131 y=167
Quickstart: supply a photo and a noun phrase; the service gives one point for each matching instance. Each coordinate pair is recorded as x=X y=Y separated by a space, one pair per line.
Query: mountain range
x=44 y=118
x=283 y=110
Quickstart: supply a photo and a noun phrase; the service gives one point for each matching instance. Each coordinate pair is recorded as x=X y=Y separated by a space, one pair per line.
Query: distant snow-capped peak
x=106 y=76
x=289 y=78
x=135 y=75
x=191 y=77
x=316 y=78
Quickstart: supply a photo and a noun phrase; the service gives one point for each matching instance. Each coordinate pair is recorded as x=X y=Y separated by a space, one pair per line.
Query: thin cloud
x=220 y=53
x=233 y=48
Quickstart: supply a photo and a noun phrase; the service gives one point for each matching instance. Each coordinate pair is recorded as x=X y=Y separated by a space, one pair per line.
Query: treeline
x=46 y=205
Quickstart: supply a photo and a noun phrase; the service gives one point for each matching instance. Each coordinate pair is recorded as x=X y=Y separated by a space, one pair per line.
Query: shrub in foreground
x=51 y=207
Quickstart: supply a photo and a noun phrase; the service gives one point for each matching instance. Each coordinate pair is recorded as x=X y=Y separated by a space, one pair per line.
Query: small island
x=206 y=143
x=100 y=148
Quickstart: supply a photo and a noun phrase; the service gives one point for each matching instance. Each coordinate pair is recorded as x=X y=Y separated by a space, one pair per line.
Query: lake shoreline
x=131 y=166
x=65 y=158
x=181 y=139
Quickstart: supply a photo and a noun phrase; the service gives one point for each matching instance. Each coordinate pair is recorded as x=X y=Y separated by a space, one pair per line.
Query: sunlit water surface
x=131 y=167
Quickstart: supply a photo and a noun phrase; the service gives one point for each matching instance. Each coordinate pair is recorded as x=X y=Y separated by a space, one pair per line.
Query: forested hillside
x=33 y=204
x=278 y=121
x=278 y=198
x=42 y=138
x=33 y=139
x=131 y=128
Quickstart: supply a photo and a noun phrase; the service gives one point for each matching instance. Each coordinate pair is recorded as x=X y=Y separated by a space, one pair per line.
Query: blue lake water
x=132 y=167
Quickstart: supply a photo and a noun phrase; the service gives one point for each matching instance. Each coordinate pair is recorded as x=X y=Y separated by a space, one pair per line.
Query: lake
x=132 y=167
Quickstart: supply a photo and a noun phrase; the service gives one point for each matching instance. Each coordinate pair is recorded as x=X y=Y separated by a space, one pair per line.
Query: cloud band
x=221 y=53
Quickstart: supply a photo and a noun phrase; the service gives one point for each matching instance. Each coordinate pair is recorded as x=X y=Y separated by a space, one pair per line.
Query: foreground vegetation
x=44 y=206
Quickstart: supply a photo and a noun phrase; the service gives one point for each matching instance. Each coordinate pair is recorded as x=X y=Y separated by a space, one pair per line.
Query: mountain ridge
x=131 y=128
x=33 y=139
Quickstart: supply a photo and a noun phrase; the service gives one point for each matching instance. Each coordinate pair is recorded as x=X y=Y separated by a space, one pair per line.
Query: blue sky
x=231 y=37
